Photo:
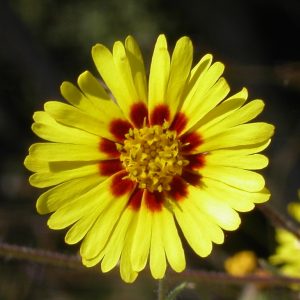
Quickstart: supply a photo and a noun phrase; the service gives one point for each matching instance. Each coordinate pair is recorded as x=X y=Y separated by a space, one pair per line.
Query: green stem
x=279 y=220
x=40 y=256
x=161 y=289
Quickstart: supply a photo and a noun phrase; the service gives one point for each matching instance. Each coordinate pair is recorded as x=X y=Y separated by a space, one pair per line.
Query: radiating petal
x=194 y=234
x=58 y=174
x=116 y=242
x=142 y=237
x=126 y=270
x=172 y=243
x=231 y=159
x=180 y=67
x=116 y=73
x=242 y=179
x=203 y=102
x=53 y=152
x=157 y=259
x=137 y=67
x=222 y=111
x=48 y=129
x=97 y=198
x=62 y=194
x=240 y=116
x=245 y=134
x=73 y=117
x=217 y=210
x=159 y=73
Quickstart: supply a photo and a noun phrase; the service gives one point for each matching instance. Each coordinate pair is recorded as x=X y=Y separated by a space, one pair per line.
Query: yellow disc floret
x=151 y=156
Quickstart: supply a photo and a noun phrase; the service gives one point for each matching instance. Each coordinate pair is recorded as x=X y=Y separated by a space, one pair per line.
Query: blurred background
x=43 y=42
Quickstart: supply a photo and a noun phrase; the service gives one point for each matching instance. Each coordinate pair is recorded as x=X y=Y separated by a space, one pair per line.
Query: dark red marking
x=190 y=141
x=120 y=186
x=136 y=199
x=179 y=122
x=191 y=177
x=160 y=114
x=178 y=189
x=110 y=167
x=119 y=128
x=108 y=147
x=197 y=161
x=154 y=200
x=138 y=113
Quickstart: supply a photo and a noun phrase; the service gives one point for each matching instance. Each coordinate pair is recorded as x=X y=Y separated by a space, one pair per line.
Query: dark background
x=43 y=42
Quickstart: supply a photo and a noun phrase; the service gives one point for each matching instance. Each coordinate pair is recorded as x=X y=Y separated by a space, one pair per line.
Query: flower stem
x=161 y=289
x=73 y=262
x=279 y=220
x=39 y=256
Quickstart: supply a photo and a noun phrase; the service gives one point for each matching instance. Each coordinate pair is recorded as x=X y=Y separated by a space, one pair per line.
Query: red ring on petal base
x=135 y=199
x=108 y=147
x=179 y=122
x=191 y=177
x=160 y=114
x=110 y=167
x=120 y=185
x=154 y=200
x=190 y=141
x=196 y=161
x=179 y=189
x=138 y=114
x=118 y=128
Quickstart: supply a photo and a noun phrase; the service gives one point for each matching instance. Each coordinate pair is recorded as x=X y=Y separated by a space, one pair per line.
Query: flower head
x=241 y=263
x=131 y=167
x=288 y=250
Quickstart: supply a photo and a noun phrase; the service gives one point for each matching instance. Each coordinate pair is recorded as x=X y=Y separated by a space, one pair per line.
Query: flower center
x=151 y=156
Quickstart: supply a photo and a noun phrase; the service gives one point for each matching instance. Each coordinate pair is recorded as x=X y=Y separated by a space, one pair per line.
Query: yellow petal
x=79 y=230
x=111 y=73
x=203 y=102
x=73 y=117
x=99 y=234
x=237 y=199
x=197 y=74
x=142 y=237
x=240 y=116
x=106 y=109
x=223 y=110
x=115 y=244
x=217 y=210
x=159 y=73
x=60 y=195
x=97 y=198
x=57 y=175
x=157 y=253
x=245 y=134
x=238 y=178
x=66 y=152
x=48 y=129
x=181 y=62
x=36 y=165
x=74 y=96
x=93 y=89
x=196 y=236
x=126 y=271
x=230 y=159
x=123 y=66
x=294 y=210
x=172 y=243
x=137 y=67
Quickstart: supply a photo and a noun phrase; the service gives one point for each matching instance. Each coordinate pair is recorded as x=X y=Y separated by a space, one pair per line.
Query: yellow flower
x=126 y=166
x=287 y=254
x=241 y=263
